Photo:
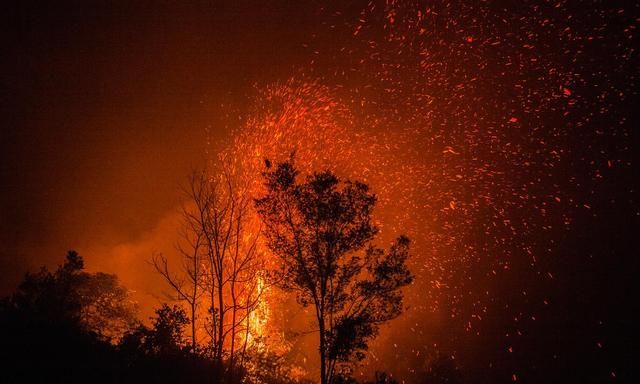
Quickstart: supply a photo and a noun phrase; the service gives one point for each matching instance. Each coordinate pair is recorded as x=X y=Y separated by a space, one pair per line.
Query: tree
x=321 y=230
x=161 y=353
x=188 y=284
x=165 y=337
x=94 y=301
x=60 y=326
x=220 y=260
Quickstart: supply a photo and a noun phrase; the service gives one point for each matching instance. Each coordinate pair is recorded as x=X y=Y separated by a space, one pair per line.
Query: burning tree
x=321 y=230
x=220 y=263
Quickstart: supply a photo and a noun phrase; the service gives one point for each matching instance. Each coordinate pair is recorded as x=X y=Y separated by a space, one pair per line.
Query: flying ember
x=363 y=192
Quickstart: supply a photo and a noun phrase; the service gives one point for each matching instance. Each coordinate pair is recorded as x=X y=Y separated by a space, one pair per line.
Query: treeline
x=70 y=325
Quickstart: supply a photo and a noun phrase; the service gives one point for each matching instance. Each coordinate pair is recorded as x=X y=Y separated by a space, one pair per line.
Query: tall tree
x=187 y=283
x=220 y=260
x=322 y=229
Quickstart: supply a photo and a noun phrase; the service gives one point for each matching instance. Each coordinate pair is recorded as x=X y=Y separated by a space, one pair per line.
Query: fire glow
x=499 y=138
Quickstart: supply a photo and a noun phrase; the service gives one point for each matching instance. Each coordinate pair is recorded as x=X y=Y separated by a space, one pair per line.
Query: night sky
x=105 y=107
x=502 y=138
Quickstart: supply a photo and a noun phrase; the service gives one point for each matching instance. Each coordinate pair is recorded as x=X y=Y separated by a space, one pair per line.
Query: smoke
x=495 y=137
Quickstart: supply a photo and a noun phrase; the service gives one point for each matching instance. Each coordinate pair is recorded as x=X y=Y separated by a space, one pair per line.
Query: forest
x=319 y=192
x=70 y=325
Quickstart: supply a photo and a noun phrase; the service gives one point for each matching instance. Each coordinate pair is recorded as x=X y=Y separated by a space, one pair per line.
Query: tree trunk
x=193 y=326
x=214 y=326
x=233 y=332
x=220 y=345
x=323 y=357
x=246 y=341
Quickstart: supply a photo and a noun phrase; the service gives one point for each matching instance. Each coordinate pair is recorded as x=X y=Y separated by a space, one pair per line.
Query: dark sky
x=105 y=107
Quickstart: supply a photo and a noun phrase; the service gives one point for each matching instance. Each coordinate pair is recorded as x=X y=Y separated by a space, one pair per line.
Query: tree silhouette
x=220 y=263
x=187 y=284
x=321 y=229
x=161 y=353
x=94 y=301
x=59 y=326
x=165 y=337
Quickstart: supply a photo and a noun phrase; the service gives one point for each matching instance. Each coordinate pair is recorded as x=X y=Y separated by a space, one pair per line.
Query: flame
x=259 y=317
x=416 y=111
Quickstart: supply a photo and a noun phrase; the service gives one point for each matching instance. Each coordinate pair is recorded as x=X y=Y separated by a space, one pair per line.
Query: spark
x=458 y=117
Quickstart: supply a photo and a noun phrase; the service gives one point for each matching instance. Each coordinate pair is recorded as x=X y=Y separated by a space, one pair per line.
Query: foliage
x=58 y=326
x=55 y=328
x=265 y=366
x=165 y=335
x=50 y=328
x=95 y=301
x=322 y=229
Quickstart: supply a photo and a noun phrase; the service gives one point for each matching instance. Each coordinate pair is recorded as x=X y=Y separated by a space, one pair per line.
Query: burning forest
x=408 y=192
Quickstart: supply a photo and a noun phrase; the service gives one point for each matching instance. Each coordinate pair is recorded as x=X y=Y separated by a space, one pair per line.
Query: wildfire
x=259 y=317
x=411 y=106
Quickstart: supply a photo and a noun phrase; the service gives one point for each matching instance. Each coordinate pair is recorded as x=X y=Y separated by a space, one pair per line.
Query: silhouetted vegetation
x=322 y=230
x=219 y=266
x=59 y=326
x=73 y=326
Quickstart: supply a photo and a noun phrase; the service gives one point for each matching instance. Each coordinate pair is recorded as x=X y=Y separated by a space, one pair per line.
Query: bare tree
x=321 y=229
x=187 y=284
x=221 y=263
